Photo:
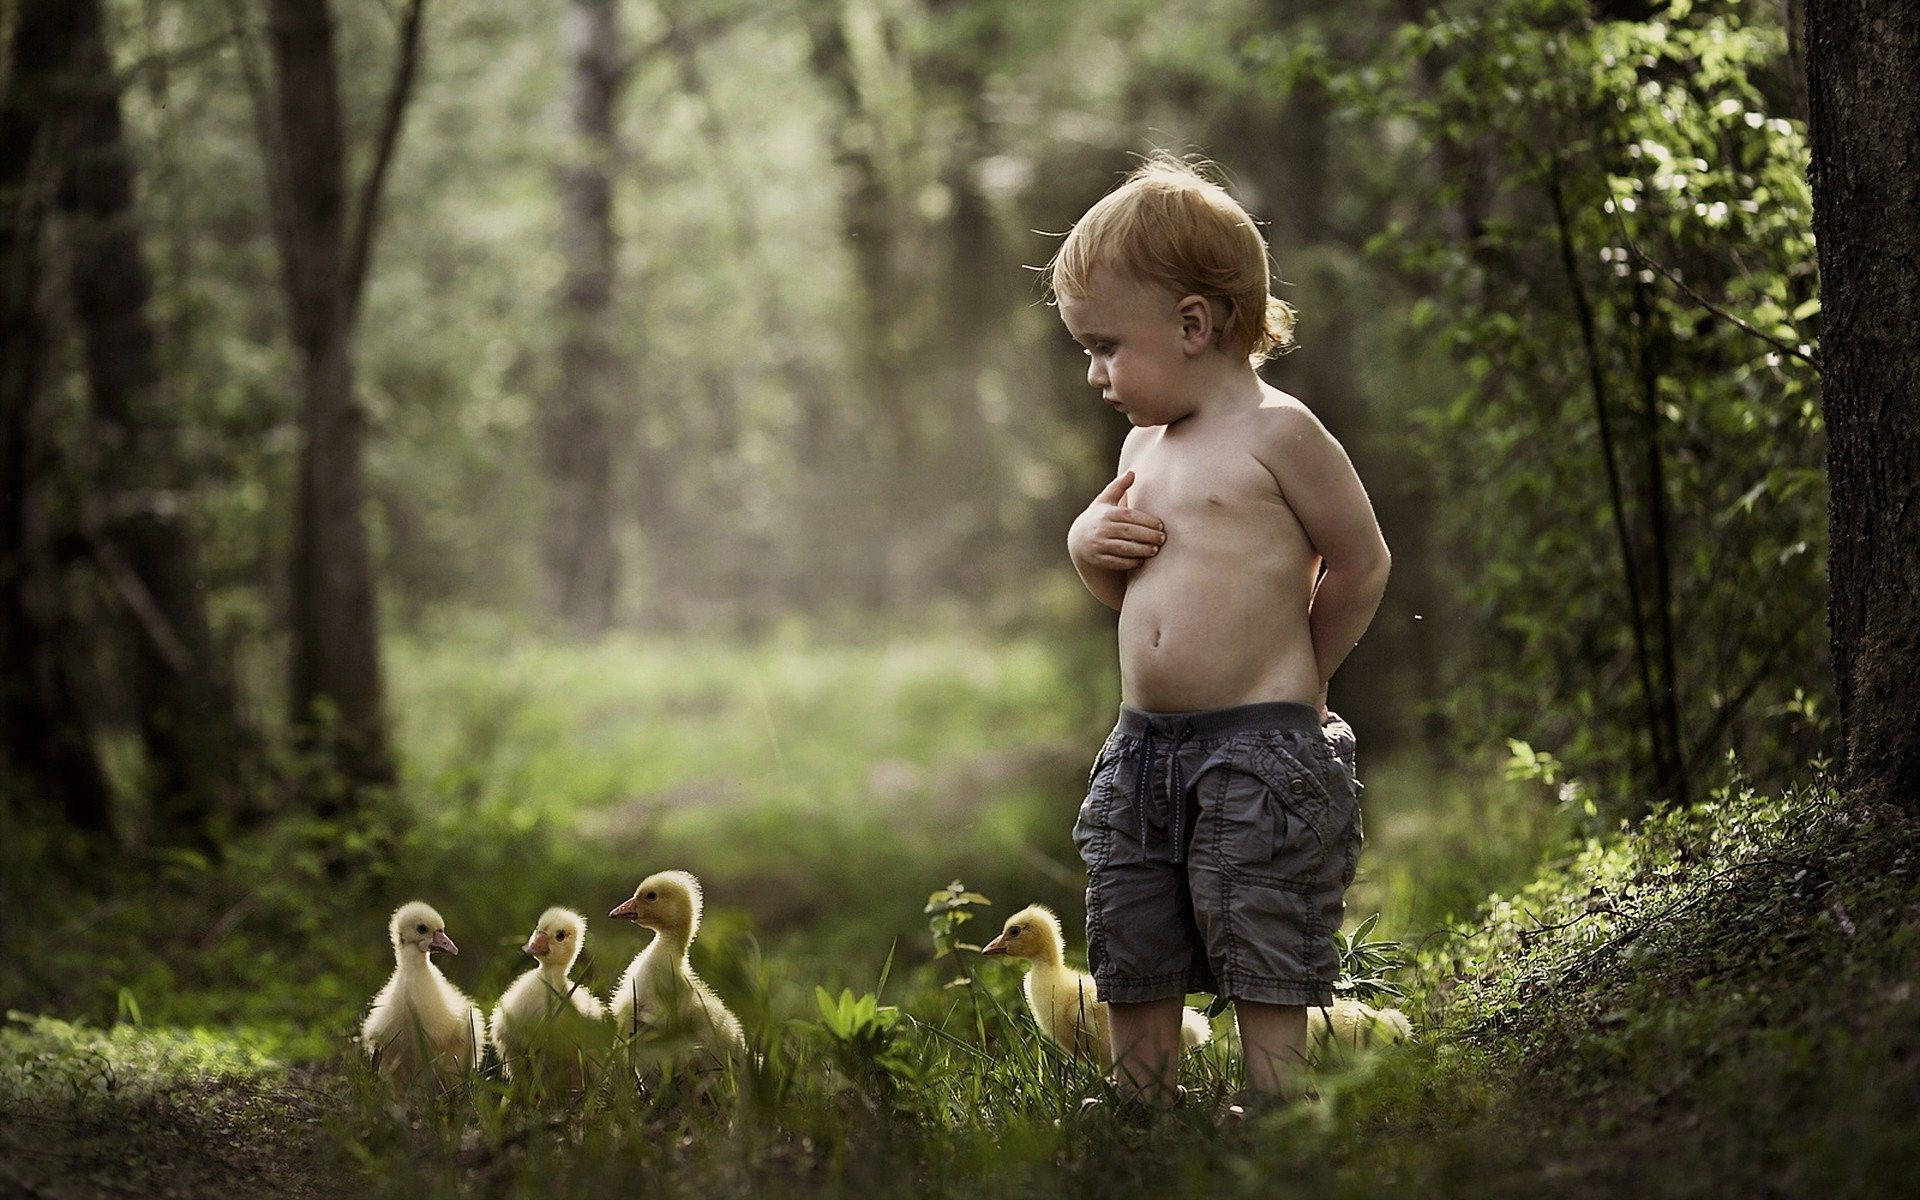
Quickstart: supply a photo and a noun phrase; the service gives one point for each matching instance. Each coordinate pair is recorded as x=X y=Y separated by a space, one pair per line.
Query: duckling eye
x=1014 y=932
x=561 y=936
x=420 y=929
x=653 y=895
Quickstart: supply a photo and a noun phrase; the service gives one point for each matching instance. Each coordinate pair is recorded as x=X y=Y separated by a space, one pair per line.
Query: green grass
x=1646 y=1013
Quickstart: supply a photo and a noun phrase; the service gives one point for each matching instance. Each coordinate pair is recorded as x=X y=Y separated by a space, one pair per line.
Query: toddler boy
x=1221 y=822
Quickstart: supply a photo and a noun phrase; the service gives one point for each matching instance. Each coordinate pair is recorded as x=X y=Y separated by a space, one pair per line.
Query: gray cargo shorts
x=1218 y=847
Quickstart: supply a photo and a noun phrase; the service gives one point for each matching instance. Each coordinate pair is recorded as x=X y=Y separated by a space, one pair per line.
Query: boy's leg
x=1273 y=1037
x=1146 y=1049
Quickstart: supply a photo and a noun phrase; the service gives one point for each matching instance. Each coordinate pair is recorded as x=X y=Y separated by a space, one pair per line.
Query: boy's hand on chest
x=1114 y=534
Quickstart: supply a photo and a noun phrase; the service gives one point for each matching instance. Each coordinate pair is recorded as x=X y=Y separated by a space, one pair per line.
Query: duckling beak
x=996 y=946
x=440 y=941
x=538 y=944
x=626 y=912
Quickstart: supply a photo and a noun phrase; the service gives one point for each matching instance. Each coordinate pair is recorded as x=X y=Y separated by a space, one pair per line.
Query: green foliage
x=947 y=910
x=41 y=1055
x=1690 y=966
x=1365 y=963
x=1594 y=179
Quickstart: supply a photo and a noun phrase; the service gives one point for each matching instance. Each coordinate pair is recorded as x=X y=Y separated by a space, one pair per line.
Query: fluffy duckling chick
x=1063 y=999
x=545 y=1012
x=659 y=989
x=419 y=1019
x=1352 y=1025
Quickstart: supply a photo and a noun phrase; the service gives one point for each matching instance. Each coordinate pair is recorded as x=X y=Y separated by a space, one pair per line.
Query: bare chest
x=1199 y=482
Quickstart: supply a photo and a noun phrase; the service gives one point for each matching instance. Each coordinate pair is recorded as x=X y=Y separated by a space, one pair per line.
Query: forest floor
x=1723 y=1001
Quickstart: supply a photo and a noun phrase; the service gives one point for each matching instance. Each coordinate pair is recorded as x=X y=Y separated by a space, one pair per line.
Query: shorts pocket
x=1280 y=937
x=1093 y=828
x=1299 y=776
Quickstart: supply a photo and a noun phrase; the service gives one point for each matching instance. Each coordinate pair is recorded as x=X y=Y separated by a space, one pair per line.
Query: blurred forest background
x=493 y=449
x=367 y=325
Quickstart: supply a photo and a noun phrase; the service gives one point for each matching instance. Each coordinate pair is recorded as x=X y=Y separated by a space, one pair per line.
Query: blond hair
x=1169 y=224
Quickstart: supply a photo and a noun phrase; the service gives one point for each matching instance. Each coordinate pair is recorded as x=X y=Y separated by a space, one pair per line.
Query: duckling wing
x=585 y=1002
x=715 y=1013
x=381 y=1017
x=1068 y=1009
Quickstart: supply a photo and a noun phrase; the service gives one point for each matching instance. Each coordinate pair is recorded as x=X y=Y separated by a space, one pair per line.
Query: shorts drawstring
x=1177 y=792
x=1176 y=787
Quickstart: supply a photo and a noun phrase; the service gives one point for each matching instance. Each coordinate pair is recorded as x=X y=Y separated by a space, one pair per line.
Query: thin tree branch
x=140 y=601
x=1656 y=492
x=1597 y=382
x=1697 y=753
x=1633 y=247
x=393 y=116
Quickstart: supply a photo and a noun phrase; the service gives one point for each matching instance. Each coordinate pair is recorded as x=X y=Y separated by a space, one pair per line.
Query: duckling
x=544 y=1011
x=1063 y=999
x=659 y=989
x=419 y=1015
x=1351 y=1025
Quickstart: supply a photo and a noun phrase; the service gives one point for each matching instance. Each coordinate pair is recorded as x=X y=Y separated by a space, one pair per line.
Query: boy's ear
x=1196 y=323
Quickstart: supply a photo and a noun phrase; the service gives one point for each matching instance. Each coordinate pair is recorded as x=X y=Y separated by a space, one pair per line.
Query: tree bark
x=180 y=691
x=1863 y=82
x=582 y=562
x=335 y=684
x=46 y=749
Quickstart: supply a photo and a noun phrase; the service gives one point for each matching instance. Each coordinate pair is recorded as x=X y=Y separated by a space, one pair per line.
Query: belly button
x=1156 y=637
x=1213 y=499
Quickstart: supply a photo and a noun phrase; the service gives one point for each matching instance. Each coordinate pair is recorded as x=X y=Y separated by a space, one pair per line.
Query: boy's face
x=1137 y=343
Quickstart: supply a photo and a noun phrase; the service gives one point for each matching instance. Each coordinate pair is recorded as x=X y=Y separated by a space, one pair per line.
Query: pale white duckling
x=1352 y=1025
x=420 y=1019
x=544 y=1012
x=659 y=990
x=1063 y=1000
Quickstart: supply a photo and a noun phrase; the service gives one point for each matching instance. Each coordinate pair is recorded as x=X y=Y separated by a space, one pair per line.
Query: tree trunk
x=334 y=670
x=179 y=689
x=46 y=750
x=582 y=563
x=888 y=509
x=1863 y=82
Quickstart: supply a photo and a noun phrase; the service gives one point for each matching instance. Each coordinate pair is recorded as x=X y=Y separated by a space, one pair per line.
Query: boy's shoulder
x=1282 y=424
x=1282 y=410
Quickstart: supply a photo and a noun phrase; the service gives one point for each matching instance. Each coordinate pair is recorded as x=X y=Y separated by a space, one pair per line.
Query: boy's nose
x=1096 y=373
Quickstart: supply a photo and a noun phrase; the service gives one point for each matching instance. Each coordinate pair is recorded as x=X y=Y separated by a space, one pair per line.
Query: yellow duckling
x=659 y=989
x=544 y=1013
x=419 y=1019
x=1063 y=999
x=1351 y=1025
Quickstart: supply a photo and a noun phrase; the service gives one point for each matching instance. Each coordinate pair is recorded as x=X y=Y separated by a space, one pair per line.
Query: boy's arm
x=1108 y=587
x=1319 y=484
x=1108 y=583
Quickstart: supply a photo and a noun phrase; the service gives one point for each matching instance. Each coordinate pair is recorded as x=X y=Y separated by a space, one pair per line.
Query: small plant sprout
x=947 y=910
